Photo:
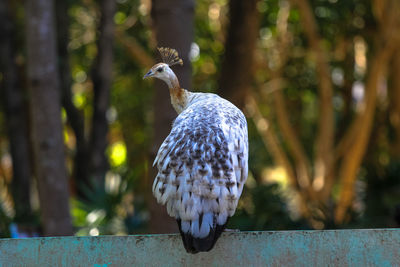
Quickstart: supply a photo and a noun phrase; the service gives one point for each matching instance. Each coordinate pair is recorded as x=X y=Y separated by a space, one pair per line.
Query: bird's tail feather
x=194 y=245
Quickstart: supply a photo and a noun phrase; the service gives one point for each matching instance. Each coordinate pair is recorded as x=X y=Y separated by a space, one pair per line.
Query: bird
x=203 y=163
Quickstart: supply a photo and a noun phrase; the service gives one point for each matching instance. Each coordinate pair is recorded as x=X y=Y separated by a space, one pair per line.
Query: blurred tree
x=237 y=67
x=328 y=113
x=332 y=162
x=74 y=116
x=173 y=27
x=14 y=101
x=383 y=46
x=45 y=115
x=102 y=79
x=394 y=102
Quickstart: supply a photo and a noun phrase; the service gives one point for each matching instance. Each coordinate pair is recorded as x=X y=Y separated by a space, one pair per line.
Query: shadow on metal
x=375 y=247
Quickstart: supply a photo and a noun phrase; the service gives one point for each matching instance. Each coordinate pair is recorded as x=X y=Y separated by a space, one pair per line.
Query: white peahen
x=202 y=164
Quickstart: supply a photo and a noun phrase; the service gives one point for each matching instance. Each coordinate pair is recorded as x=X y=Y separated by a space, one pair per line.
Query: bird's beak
x=149 y=74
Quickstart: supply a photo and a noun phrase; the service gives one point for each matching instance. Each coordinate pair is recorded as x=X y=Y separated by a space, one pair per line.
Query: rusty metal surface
x=375 y=247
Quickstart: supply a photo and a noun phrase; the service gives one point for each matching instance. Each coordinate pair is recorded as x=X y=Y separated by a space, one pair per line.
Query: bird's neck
x=179 y=96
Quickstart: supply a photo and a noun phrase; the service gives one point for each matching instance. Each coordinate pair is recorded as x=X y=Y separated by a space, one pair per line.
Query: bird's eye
x=159 y=69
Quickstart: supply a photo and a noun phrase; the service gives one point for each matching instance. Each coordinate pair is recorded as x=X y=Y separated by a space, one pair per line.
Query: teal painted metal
x=375 y=247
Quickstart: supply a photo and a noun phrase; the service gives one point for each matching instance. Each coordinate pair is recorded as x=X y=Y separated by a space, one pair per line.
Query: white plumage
x=202 y=164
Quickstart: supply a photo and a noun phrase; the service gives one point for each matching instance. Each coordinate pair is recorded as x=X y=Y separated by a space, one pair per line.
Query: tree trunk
x=75 y=118
x=45 y=111
x=352 y=160
x=323 y=160
x=102 y=80
x=386 y=41
x=173 y=27
x=237 y=66
x=14 y=101
x=394 y=103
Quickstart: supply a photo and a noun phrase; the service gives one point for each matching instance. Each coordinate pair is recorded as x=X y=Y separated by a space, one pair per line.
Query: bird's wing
x=202 y=169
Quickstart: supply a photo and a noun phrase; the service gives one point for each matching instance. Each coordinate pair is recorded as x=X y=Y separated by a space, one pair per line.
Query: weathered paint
x=375 y=247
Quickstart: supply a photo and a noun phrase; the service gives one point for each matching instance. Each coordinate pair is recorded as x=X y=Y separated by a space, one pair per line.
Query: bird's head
x=162 y=70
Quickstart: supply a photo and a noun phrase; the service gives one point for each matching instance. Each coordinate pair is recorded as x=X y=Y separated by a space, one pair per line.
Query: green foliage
x=109 y=208
x=263 y=208
x=380 y=196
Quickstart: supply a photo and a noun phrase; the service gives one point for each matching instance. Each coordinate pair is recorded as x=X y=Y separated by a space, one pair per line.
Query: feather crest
x=170 y=56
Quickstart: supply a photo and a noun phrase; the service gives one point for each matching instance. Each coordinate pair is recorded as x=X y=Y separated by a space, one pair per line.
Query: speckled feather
x=202 y=164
